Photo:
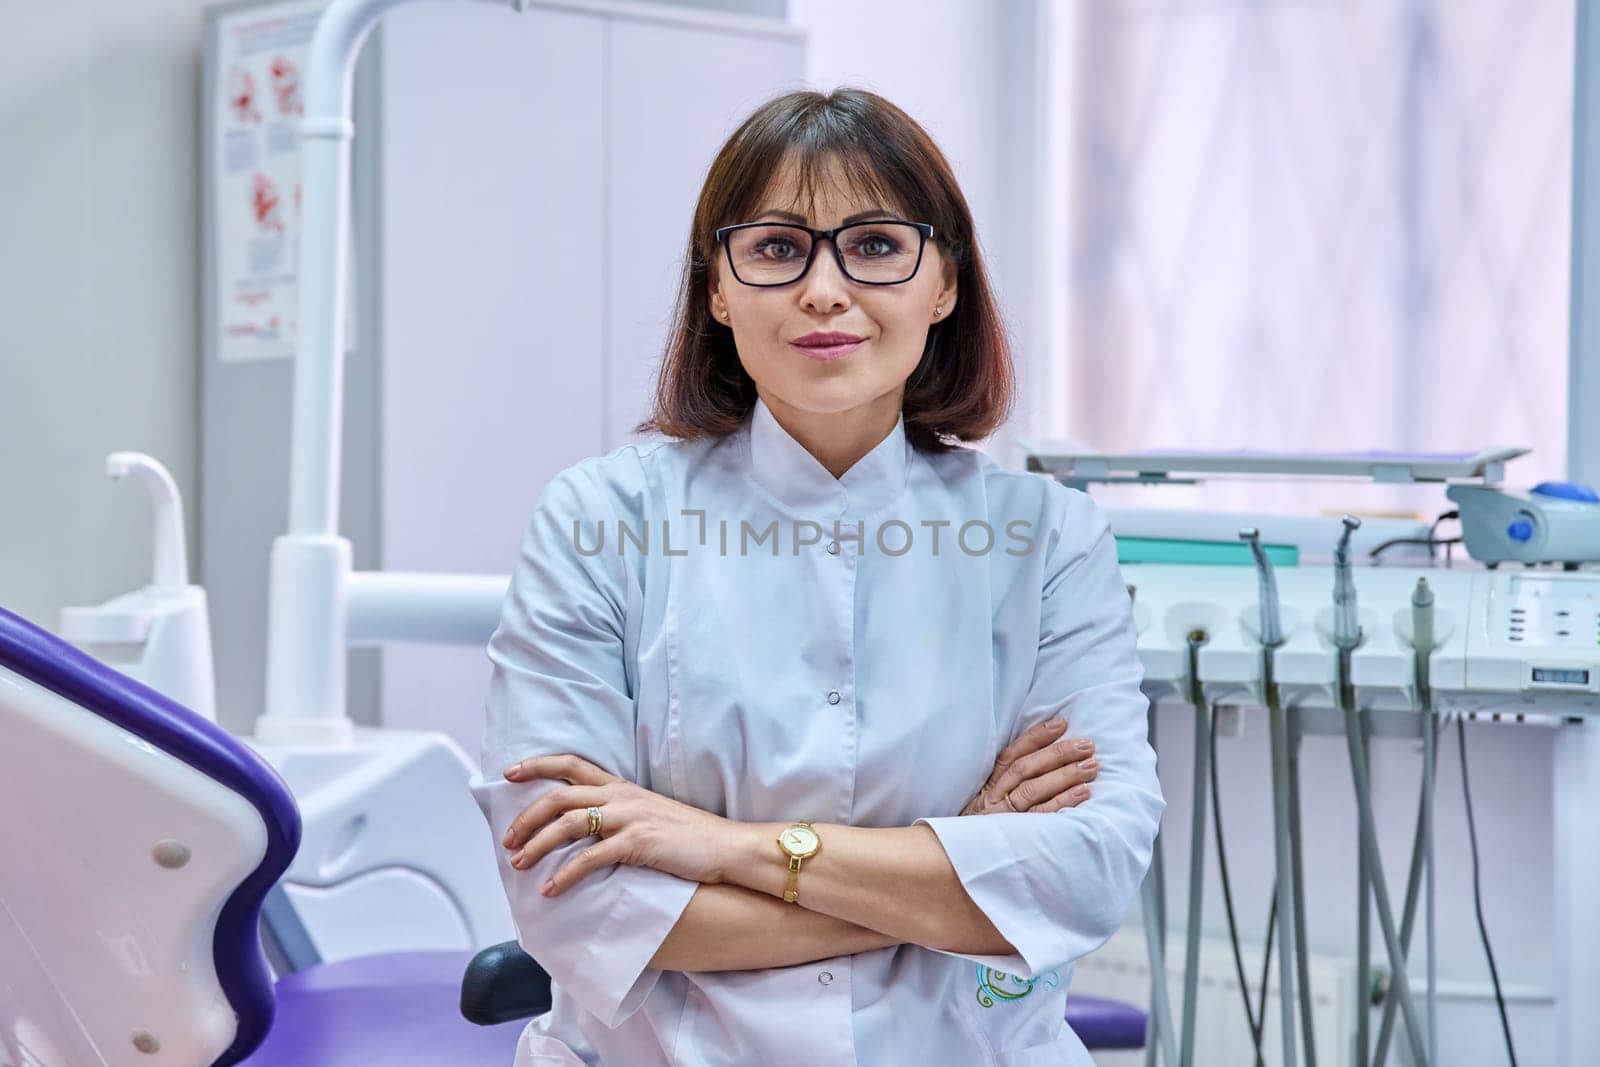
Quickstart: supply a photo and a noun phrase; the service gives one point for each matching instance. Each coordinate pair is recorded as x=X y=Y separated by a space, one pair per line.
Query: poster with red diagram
x=257 y=102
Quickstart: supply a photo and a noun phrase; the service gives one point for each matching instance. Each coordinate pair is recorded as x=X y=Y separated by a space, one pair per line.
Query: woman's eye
x=774 y=248
x=874 y=245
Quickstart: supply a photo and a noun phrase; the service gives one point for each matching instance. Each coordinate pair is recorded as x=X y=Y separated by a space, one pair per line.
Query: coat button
x=833 y=696
x=825 y=977
x=833 y=548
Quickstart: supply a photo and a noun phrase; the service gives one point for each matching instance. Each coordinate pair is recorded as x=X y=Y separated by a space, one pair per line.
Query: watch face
x=799 y=840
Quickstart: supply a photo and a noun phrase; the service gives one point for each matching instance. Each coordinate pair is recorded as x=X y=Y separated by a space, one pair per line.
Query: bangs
x=806 y=169
x=800 y=156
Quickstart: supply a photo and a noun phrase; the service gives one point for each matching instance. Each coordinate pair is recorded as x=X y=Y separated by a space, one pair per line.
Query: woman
x=748 y=678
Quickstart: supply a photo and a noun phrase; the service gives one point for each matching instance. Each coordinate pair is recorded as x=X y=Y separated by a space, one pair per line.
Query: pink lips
x=827 y=345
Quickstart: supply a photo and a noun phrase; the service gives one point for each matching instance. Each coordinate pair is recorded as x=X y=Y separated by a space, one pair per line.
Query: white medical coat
x=863 y=674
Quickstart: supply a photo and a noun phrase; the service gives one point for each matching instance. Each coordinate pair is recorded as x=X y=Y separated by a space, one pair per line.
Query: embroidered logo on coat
x=997 y=985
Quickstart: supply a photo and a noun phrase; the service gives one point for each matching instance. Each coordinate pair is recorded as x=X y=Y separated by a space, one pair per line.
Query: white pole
x=1575 y=791
x=310 y=568
x=449 y=609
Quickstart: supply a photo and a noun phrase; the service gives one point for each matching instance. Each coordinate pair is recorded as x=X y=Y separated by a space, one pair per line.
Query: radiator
x=1121 y=971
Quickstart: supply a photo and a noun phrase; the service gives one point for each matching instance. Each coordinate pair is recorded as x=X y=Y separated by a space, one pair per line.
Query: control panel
x=1527 y=639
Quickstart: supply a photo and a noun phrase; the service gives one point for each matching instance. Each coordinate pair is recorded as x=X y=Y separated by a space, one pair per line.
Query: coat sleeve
x=560 y=684
x=1057 y=885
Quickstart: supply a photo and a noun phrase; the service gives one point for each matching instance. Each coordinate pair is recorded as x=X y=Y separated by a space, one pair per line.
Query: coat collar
x=782 y=466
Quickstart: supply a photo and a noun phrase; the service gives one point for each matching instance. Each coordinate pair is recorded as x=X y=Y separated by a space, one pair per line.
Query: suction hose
x=1355 y=738
x=1197 y=847
x=1271 y=637
x=1424 y=644
x=1153 y=906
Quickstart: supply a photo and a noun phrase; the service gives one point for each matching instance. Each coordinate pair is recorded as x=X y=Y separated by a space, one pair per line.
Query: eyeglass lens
x=877 y=252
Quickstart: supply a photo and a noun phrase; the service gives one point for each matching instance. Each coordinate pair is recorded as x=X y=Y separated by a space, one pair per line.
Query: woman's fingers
x=566 y=766
x=550 y=805
x=611 y=851
x=1062 y=753
x=570 y=825
x=1030 y=740
x=1070 y=799
x=1056 y=784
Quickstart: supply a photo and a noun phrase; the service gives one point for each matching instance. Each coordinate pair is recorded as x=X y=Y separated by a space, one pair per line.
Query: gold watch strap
x=791 y=893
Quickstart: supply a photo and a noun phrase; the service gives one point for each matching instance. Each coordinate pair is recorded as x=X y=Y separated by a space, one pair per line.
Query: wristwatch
x=798 y=841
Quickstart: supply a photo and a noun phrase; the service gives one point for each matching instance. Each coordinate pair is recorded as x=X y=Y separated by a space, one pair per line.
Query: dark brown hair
x=963 y=386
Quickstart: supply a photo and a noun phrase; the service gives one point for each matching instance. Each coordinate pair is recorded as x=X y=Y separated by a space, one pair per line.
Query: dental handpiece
x=1271 y=620
x=1422 y=618
x=1346 y=620
x=1346 y=636
x=1283 y=850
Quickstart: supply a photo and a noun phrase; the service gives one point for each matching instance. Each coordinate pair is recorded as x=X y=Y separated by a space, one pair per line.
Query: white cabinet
x=492 y=161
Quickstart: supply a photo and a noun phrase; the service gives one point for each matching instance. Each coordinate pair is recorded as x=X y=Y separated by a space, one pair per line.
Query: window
x=1327 y=225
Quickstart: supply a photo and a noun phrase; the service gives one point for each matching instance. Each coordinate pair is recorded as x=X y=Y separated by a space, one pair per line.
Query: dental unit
x=1447 y=642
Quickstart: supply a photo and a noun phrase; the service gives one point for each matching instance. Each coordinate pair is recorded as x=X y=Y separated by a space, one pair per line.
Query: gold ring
x=594 y=821
x=1010 y=805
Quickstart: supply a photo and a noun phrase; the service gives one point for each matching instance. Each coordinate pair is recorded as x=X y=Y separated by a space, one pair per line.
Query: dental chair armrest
x=503 y=983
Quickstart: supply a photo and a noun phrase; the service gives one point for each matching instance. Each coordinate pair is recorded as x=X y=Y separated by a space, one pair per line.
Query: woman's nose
x=825 y=287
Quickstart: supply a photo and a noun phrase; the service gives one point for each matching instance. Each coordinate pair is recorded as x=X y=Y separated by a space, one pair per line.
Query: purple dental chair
x=139 y=903
x=138 y=907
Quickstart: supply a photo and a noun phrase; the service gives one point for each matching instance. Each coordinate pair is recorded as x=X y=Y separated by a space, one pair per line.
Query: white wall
x=98 y=267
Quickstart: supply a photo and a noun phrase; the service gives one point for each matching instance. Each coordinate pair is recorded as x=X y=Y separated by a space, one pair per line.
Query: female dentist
x=747 y=678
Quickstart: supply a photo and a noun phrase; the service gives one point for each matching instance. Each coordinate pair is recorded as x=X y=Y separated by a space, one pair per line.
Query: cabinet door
x=491 y=309
x=675 y=93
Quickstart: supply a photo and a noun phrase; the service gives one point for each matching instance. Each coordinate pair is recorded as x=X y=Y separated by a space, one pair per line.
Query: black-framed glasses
x=880 y=252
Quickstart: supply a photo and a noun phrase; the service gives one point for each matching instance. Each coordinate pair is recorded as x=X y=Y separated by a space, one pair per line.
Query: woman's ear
x=945 y=302
x=714 y=301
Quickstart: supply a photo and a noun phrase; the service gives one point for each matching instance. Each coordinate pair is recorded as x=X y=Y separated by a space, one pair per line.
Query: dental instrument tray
x=1078 y=468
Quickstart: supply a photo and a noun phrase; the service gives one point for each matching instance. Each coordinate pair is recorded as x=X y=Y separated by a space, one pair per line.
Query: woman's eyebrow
x=790 y=216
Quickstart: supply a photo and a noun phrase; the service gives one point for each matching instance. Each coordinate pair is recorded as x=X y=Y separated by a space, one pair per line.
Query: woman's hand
x=1038 y=773
x=639 y=828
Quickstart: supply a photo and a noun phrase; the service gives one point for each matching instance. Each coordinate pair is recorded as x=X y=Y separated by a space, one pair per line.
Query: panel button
x=825 y=978
x=833 y=548
x=833 y=696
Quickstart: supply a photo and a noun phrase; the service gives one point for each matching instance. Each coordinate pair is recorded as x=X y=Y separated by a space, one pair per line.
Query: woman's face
x=892 y=321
